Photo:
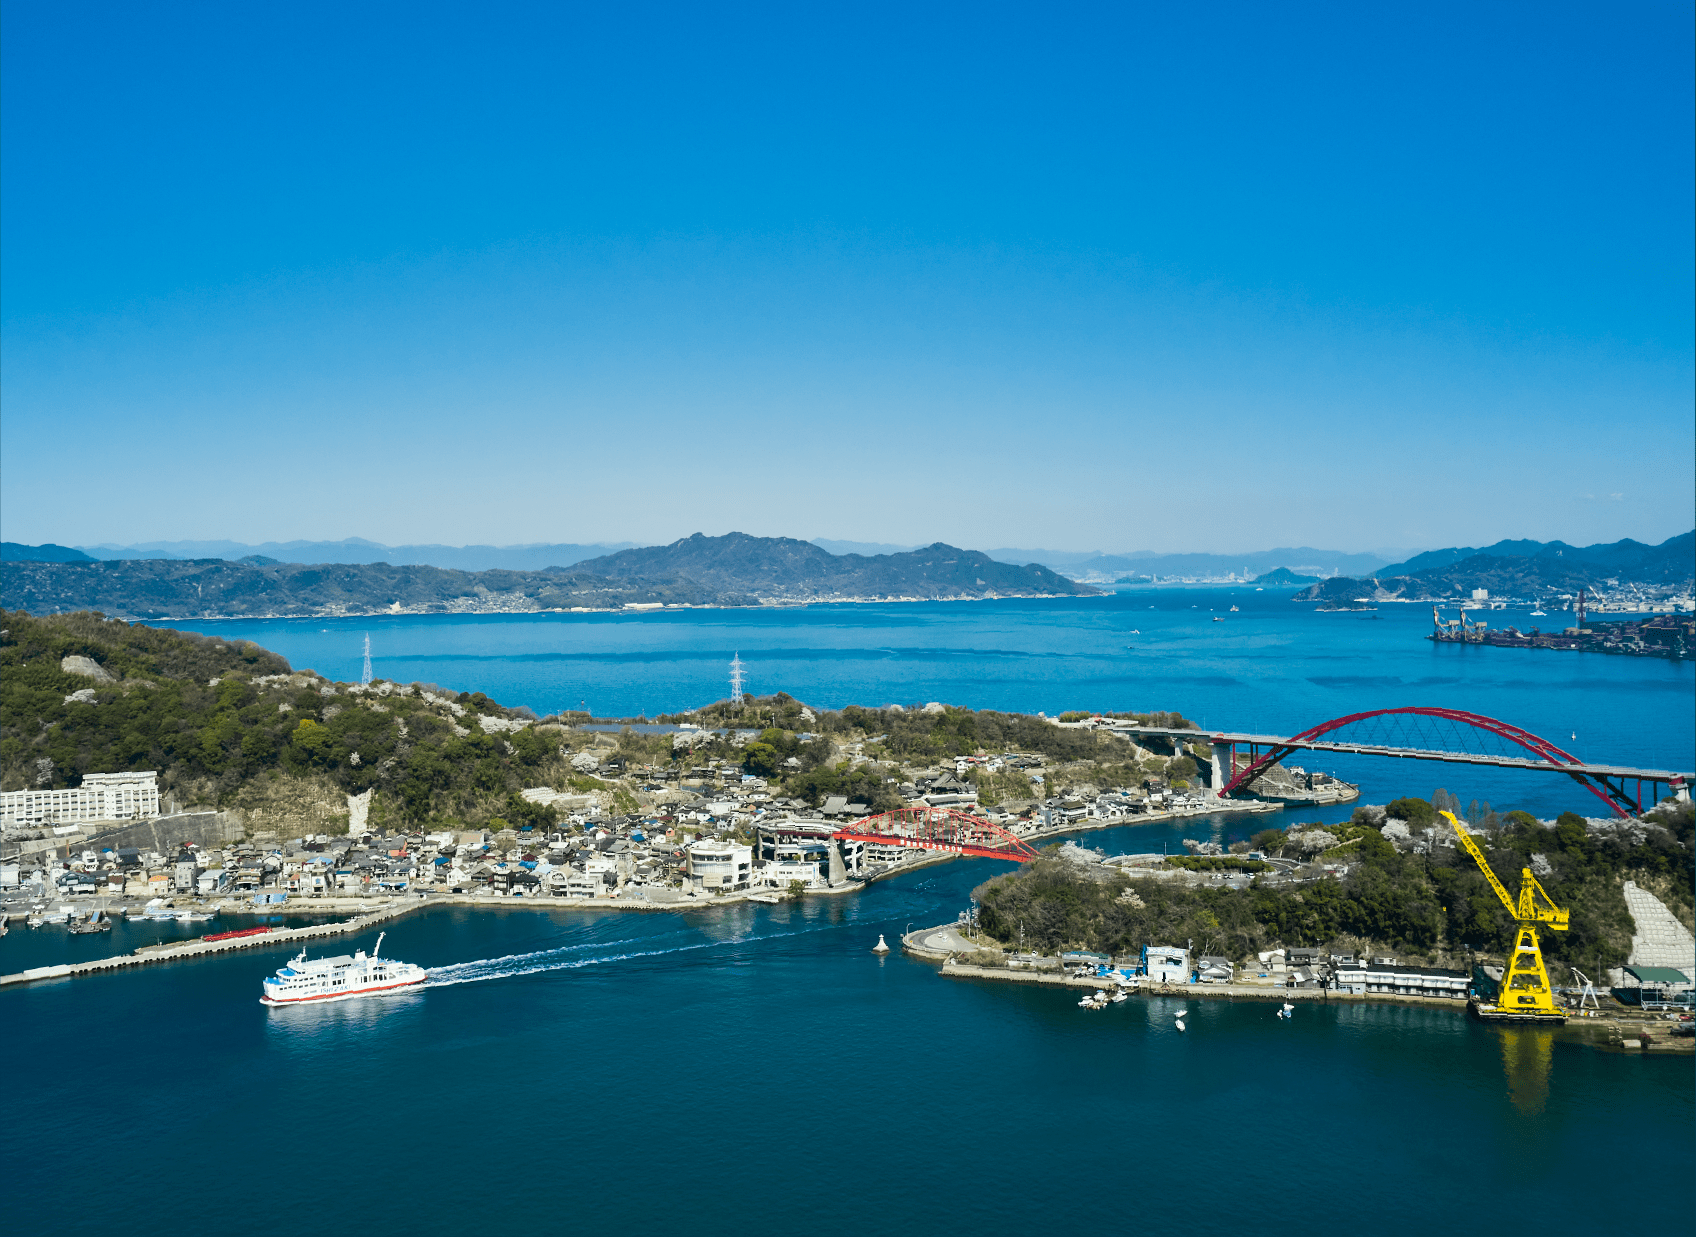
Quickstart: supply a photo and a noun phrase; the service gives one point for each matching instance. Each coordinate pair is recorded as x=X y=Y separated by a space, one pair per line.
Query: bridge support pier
x=1222 y=752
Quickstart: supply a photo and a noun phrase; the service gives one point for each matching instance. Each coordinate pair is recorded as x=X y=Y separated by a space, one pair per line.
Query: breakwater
x=150 y=955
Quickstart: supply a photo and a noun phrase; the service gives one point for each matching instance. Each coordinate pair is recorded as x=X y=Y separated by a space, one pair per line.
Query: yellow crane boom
x=1525 y=992
x=1524 y=909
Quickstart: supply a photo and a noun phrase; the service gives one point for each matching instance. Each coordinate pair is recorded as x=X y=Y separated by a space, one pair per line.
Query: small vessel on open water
x=333 y=979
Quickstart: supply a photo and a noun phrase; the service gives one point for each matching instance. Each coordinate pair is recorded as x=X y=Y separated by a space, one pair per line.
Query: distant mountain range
x=216 y=588
x=1283 y=576
x=1145 y=564
x=738 y=569
x=782 y=568
x=1087 y=564
x=532 y=557
x=733 y=570
x=1670 y=561
x=12 y=552
x=1521 y=569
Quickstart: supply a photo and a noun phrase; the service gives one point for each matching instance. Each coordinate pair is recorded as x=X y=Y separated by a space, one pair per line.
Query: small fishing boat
x=1179 y=1023
x=1539 y=614
x=1119 y=996
x=1233 y=610
x=97 y=922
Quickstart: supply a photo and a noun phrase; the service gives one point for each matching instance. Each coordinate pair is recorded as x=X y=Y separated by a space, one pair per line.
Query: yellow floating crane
x=1525 y=994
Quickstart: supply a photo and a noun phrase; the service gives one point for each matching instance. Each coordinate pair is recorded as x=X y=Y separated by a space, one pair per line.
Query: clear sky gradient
x=1166 y=277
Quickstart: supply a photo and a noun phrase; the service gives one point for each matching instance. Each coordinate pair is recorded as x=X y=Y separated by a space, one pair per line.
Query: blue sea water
x=757 y=1069
x=1273 y=666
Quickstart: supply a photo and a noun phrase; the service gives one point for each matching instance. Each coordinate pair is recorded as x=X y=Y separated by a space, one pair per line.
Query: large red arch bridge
x=1450 y=736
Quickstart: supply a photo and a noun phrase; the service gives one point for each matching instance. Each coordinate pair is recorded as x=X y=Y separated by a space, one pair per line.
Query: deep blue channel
x=758 y=1069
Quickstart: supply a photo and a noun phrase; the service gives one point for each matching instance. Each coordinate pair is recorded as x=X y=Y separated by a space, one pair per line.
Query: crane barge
x=1525 y=995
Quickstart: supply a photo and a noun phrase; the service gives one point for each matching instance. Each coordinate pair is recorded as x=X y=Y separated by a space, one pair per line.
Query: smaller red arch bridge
x=1451 y=736
x=940 y=829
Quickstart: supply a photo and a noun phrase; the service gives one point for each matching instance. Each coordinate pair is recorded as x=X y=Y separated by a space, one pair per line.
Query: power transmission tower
x=736 y=679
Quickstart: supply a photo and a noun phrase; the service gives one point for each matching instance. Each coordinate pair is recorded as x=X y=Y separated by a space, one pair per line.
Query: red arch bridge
x=1448 y=736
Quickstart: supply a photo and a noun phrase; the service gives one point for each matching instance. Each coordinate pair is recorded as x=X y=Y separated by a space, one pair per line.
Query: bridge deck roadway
x=1409 y=753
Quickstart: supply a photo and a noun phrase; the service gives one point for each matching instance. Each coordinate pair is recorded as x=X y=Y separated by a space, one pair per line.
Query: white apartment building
x=102 y=796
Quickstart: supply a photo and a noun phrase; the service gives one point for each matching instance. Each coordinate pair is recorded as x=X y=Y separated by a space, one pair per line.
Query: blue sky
x=1167 y=277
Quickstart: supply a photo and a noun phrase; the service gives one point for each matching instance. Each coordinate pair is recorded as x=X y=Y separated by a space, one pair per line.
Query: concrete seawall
x=1260 y=992
x=151 y=955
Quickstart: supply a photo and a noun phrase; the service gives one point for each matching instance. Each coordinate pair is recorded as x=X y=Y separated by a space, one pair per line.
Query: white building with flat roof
x=102 y=796
x=720 y=865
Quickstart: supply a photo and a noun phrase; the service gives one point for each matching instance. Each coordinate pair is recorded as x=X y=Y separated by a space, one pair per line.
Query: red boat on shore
x=228 y=936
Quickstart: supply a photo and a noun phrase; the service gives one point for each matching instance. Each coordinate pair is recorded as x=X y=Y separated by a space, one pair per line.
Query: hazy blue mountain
x=1673 y=559
x=860 y=547
x=533 y=557
x=1303 y=560
x=782 y=567
x=1537 y=569
x=14 y=552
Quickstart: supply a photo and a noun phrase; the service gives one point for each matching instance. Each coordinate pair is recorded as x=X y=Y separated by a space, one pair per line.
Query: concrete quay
x=1615 y=1029
x=148 y=955
x=394 y=908
x=1260 y=992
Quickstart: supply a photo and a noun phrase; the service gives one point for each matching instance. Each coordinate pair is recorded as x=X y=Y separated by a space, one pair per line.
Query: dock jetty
x=148 y=955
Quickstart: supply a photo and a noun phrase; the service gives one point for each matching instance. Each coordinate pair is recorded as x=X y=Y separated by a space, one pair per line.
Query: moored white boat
x=335 y=979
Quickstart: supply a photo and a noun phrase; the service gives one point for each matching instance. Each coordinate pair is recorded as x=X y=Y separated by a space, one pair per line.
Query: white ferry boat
x=333 y=979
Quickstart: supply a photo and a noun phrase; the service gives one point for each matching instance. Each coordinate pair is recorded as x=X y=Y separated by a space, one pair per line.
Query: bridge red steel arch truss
x=1614 y=796
x=939 y=829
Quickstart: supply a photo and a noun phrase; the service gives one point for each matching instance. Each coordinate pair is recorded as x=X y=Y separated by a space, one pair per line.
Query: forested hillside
x=1424 y=905
x=215 y=718
x=214 y=588
x=784 y=568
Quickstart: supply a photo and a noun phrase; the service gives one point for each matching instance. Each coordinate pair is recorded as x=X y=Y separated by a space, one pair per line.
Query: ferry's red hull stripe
x=330 y=996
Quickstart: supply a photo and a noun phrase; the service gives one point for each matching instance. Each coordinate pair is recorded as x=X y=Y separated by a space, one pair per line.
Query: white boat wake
x=514 y=965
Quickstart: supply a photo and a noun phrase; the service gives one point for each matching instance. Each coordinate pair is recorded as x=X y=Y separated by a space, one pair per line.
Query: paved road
x=944 y=940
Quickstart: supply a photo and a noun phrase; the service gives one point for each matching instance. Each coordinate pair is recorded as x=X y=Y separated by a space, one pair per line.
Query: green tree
x=1416 y=812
